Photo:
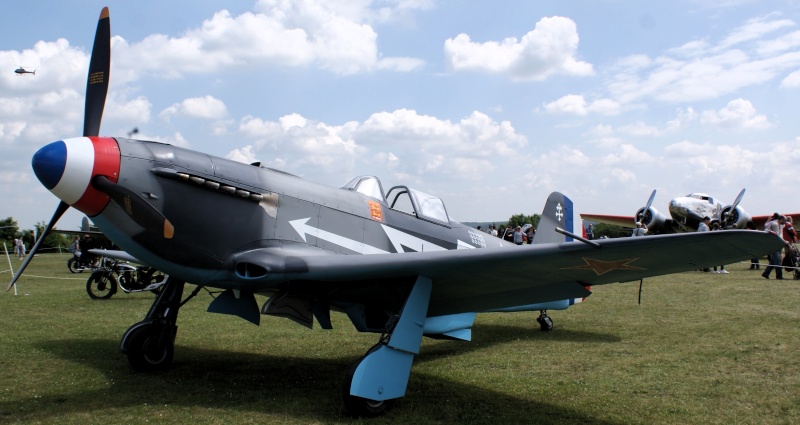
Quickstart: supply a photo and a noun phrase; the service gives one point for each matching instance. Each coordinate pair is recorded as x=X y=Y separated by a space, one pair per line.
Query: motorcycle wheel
x=72 y=265
x=101 y=286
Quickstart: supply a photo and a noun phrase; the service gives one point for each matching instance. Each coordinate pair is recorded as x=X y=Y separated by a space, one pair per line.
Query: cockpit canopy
x=702 y=197
x=366 y=185
x=402 y=198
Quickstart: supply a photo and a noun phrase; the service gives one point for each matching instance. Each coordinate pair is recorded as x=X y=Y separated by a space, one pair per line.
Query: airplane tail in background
x=557 y=213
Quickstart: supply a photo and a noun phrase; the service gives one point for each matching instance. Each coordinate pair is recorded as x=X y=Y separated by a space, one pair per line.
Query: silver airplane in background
x=686 y=213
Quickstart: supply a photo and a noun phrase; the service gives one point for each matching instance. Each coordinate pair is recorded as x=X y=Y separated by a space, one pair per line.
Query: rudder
x=557 y=213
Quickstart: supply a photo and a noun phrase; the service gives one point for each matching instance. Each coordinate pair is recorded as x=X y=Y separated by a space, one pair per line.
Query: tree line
x=9 y=230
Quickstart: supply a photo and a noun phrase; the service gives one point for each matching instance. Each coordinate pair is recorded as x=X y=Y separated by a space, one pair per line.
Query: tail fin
x=557 y=213
x=85 y=224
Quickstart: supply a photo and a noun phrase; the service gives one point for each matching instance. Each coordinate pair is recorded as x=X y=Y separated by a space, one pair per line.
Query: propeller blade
x=97 y=82
x=139 y=210
x=738 y=199
x=650 y=201
x=646 y=207
x=728 y=218
x=60 y=210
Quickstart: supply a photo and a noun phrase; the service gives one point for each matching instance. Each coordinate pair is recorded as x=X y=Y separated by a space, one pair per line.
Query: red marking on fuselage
x=106 y=163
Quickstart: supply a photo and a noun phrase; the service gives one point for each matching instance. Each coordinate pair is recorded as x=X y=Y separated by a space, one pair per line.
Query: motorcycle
x=104 y=281
x=80 y=262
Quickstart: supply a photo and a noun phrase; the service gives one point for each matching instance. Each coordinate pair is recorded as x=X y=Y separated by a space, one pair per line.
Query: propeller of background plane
x=134 y=205
x=641 y=217
x=729 y=218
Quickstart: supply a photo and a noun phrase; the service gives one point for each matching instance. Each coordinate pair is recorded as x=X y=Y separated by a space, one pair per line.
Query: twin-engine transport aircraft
x=686 y=213
x=394 y=261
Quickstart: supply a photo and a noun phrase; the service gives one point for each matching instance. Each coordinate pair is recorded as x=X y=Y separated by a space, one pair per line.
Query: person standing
x=789 y=237
x=703 y=227
x=18 y=247
x=640 y=230
x=774 y=226
x=519 y=236
x=722 y=270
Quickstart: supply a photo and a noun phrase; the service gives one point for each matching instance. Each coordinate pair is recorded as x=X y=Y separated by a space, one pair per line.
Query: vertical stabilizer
x=557 y=213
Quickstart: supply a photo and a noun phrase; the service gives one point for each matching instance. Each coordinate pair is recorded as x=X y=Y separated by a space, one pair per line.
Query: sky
x=488 y=105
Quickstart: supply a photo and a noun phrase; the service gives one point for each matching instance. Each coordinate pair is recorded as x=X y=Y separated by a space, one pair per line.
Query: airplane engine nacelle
x=651 y=218
x=734 y=218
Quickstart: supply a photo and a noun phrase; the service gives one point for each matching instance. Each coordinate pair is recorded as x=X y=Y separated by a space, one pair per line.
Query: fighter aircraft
x=393 y=261
x=21 y=70
x=686 y=213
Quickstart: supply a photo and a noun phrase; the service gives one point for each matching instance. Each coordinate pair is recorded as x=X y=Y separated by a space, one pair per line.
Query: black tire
x=73 y=265
x=149 y=350
x=545 y=323
x=101 y=285
x=360 y=407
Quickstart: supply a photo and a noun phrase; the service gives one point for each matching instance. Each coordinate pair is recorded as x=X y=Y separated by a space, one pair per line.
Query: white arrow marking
x=303 y=229
x=400 y=239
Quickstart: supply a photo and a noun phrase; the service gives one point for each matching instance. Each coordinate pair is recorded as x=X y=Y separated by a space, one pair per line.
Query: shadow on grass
x=484 y=335
x=305 y=389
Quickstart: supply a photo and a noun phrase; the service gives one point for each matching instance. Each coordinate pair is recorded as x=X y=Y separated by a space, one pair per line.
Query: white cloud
x=792 y=81
x=751 y=54
x=577 y=105
x=738 y=113
x=206 y=107
x=298 y=142
x=331 y=35
x=549 y=49
x=754 y=29
x=682 y=119
x=403 y=142
x=639 y=128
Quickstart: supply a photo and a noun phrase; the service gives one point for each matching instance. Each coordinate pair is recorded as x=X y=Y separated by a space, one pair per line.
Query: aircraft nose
x=67 y=167
x=49 y=163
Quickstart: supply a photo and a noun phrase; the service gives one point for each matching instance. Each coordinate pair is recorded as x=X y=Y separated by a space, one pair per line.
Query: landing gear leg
x=381 y=376
x=150 y=344
x=545 y=321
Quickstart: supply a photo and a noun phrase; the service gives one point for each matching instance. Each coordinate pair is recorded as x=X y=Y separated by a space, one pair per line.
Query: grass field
x=701 y=348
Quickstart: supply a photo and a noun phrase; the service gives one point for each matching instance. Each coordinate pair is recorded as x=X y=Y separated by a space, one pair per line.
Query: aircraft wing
x=616 y=220
x=79 y=232
x=116 y=254
x=482 y=279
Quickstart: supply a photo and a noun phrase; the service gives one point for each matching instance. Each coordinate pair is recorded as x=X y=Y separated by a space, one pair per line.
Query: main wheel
x=101 y=285
x=150 y=349
x=360 y=407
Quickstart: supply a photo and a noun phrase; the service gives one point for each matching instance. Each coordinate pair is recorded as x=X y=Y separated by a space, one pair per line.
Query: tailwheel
x=545 y=322
x=360 y=407
x=150 y=348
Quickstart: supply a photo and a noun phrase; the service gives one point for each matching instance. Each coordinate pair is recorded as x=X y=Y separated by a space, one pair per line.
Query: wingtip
x=104 y=13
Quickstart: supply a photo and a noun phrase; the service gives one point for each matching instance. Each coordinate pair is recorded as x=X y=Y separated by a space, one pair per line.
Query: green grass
x=702 y=348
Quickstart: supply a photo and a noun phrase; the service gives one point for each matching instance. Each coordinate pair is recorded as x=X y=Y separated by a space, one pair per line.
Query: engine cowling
x=651 y=218
x=734 y=218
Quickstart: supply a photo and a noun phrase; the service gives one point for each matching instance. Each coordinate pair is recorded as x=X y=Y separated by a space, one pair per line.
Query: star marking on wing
x=601 y=267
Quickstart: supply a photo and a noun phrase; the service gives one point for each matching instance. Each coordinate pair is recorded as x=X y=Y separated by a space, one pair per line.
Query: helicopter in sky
x=20 y=70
